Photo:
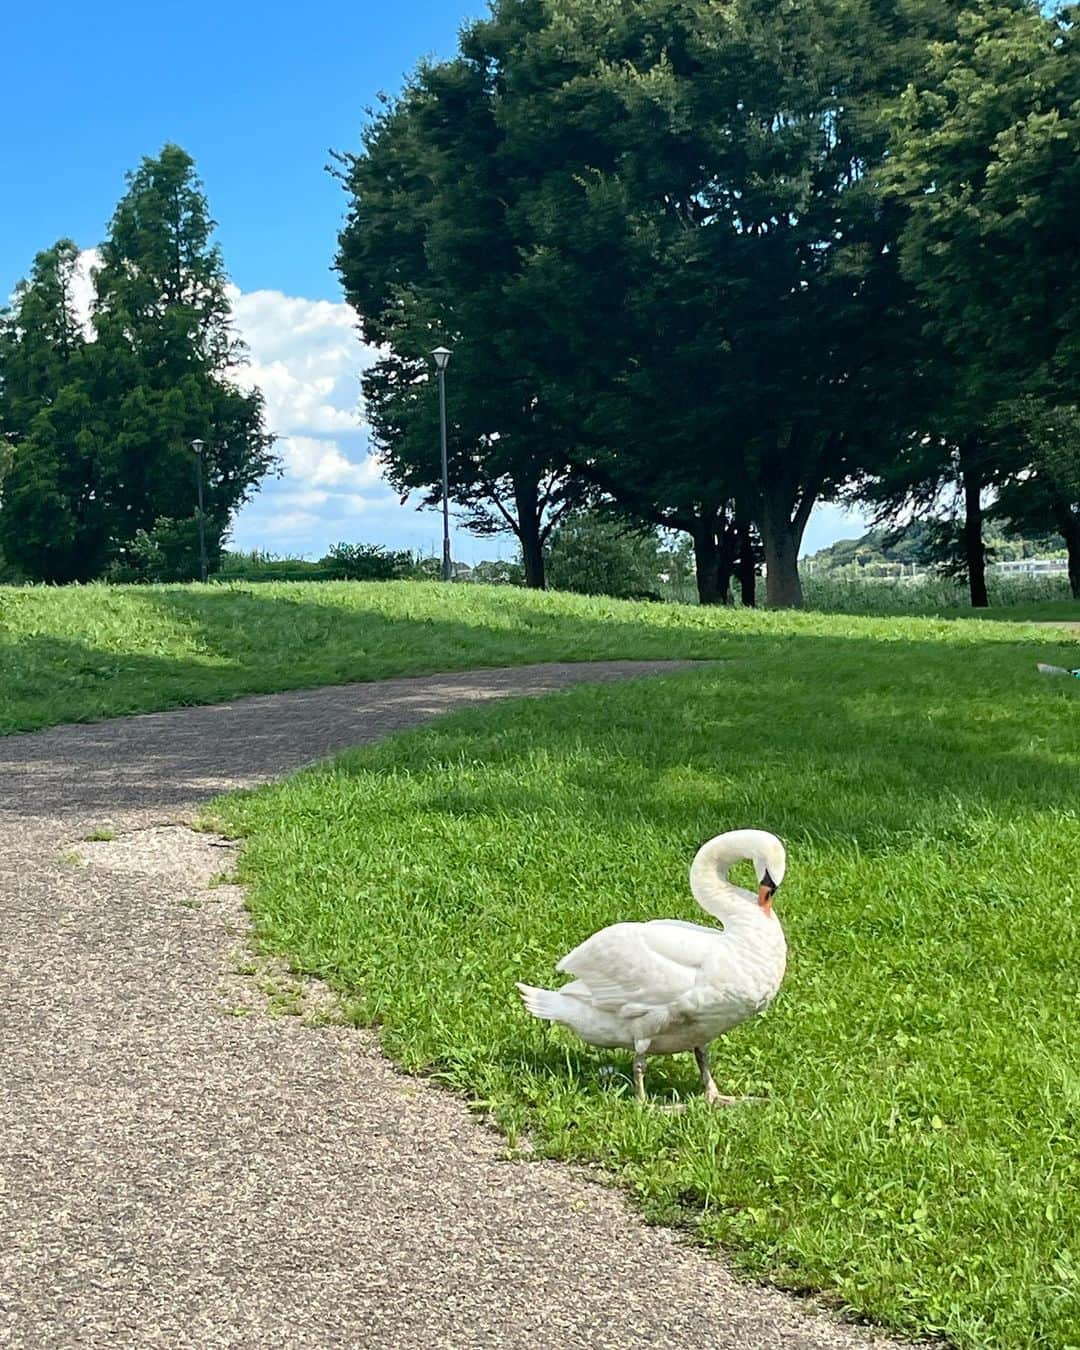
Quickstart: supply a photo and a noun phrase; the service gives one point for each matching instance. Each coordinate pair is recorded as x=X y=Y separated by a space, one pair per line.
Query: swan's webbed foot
x=716 y=1098
x=713 y=1095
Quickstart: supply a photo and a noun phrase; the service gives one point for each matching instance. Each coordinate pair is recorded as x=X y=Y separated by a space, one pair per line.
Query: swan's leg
x=639 y=1075
x=712 y=1092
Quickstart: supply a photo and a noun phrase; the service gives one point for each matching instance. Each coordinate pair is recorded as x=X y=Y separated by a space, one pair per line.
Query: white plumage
x=661 y=987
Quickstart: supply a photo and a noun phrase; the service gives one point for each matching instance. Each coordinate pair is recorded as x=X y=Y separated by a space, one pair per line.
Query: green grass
x=916 y=1155
x=83 y=653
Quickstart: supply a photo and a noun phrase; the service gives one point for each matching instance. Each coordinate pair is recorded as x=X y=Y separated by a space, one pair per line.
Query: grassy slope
x=83 y=653
x=917 y=1150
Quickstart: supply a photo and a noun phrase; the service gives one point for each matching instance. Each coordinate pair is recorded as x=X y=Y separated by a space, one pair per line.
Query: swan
x=661 y=987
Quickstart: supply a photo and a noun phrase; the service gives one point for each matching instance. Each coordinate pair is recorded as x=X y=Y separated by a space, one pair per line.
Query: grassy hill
x=84 y=653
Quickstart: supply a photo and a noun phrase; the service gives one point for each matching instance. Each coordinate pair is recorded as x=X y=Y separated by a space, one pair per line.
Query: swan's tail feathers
x=546 y=1004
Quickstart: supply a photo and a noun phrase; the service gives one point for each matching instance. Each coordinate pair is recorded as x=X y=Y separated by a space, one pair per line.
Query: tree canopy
x=653 y=230
x=100 y=424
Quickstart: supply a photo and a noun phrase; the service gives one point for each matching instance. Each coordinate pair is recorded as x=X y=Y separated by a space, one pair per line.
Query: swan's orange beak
x=764 y=896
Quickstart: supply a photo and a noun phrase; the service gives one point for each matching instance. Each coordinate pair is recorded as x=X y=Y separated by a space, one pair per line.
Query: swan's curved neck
x=712 y=890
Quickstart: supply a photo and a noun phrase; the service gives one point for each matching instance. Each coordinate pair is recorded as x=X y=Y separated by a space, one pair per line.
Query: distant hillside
x=928 y=544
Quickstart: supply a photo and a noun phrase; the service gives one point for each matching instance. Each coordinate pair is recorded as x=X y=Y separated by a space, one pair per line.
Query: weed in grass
x=915 y=1152
x=99 y=837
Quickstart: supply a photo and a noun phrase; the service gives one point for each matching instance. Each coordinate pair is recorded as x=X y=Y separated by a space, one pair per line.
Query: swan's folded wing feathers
x=629 y=969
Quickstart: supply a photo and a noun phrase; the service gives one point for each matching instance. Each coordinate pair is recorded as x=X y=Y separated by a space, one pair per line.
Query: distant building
x=1042 y=566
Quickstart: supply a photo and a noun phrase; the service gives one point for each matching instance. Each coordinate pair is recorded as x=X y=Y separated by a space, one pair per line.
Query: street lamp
x=442 y=360
x=198 y=447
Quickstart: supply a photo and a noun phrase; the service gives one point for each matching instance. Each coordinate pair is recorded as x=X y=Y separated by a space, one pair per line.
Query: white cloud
x=83 y=288
x=306 y=499
x=291 y=524
x=322 y=463
x=306 y=357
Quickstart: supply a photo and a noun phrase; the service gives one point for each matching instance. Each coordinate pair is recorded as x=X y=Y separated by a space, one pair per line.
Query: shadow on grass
x=811 y=708
x=817 y=729
x=604 y=1075
x=233 y=641
x=239 y=643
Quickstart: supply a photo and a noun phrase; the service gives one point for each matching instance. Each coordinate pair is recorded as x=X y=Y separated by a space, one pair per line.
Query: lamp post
x=442 y=360
x=198 y=446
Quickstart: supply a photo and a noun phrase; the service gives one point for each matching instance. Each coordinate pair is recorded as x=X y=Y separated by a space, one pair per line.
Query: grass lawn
x=83 y=653
x=917 y=1152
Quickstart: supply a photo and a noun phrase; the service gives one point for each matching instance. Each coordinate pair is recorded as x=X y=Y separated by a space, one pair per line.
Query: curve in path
x=173 y=1175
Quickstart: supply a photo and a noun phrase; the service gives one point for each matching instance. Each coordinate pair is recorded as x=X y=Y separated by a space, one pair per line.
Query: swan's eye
x=767 y=880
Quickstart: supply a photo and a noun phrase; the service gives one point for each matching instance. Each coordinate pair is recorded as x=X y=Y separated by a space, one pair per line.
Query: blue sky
x=259 y=95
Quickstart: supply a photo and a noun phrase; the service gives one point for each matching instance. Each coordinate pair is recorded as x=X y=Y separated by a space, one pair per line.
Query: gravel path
x=181 y=1167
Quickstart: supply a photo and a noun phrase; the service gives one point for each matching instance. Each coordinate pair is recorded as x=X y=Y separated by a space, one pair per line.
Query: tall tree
x=51 y=511
x=652 y=229
x=714 y=301
x=986 y=158
x=428 y=256
x=165 y=360
x=101 y=429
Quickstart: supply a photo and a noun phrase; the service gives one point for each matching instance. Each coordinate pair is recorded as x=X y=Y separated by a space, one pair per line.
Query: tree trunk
x=974 y=549
x=747 y=567
x=1072 y=543
x=781 y=537
x=1068 y=523
x=713 y=563
x=527 y=502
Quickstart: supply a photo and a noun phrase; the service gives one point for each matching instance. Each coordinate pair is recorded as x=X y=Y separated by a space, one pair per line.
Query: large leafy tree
x=655 y=220
x=428 y=256
x=764 y=331
x=986 y=158
x=101 y=429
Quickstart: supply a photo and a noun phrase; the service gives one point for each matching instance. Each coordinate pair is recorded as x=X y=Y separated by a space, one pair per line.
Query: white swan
x=664 y=986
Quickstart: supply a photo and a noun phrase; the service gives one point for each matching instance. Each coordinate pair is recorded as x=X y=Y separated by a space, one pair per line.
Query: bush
x=368 y=562
x=599 y=555
x=502 y=572
x=851 y=593
x=168 y=552
x=260 y=565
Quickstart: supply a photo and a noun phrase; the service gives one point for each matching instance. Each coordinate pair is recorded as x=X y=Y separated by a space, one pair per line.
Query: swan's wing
x=631 y=968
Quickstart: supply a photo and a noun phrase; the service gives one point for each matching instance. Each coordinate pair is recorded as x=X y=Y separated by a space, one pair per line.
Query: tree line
x=705 y=265
x=96 y=427
x=701 y=266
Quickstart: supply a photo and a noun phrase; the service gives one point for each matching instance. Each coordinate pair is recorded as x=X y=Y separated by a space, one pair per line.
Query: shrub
x=167 y=552
x=370 y=562
x=599 y=555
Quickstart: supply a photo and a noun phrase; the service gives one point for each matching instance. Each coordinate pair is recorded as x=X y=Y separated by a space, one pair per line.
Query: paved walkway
x=179 y=1167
